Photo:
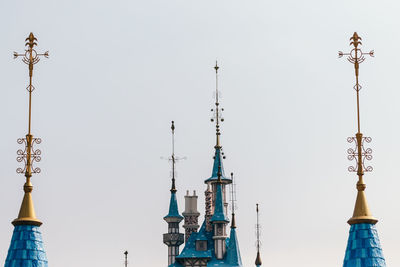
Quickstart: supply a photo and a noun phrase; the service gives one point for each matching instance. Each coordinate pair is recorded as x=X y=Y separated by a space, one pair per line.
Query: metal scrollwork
x=35 y=155
x=366 y=154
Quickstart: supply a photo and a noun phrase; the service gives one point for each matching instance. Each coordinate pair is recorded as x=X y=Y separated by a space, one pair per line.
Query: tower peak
x=258 y=244
x=217 y=117
x=29 y=154
x=359 y=153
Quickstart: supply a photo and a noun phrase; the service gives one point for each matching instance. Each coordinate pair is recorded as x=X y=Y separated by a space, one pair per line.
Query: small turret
x=191 y=215
x=173 y=239
x=219 y=221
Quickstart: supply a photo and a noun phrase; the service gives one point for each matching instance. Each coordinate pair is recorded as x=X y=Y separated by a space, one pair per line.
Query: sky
x=120 y=71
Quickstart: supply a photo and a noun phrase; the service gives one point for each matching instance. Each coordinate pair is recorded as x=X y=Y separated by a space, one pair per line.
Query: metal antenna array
x=359 y=153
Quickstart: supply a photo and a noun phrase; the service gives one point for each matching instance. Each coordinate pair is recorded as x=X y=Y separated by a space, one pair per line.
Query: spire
x=26 y=248
x=217 y=118
x=359 y=153
x=258 y=258
x=173 y=205
x=233 y=199
x=126 y=258
x=29 y=155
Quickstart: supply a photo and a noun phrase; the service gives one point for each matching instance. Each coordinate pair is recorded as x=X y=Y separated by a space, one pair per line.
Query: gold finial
x=258 y=244
x=359 y=153
x=233 y=223
x=217 y=111
x=29 y=155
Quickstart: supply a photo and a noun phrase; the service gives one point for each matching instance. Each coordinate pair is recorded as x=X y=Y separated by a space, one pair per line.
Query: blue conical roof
x=217 y=163
x=363 y=247
x=233 y=253
x=26 y=248
x=173 y=207
x=219 y=214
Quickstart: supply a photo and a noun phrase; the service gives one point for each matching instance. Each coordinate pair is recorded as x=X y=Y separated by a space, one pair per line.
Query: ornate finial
x=258 y=244
x=173 y=159
x=233 y=199
x=173 y=189
x=126 y=258
x=29 y=154
x=217 y=117
x=359 y=153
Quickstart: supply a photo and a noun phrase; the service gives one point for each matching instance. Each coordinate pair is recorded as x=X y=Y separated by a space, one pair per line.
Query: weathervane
x=217 y=116
x=29 y=155
x=359 y=153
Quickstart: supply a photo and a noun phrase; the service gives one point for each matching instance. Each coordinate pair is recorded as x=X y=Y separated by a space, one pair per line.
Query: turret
x=173 y=239
x=219 y=221
x=191 y=215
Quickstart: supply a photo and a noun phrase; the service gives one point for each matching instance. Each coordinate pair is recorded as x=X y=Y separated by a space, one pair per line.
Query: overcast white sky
x=120 y=71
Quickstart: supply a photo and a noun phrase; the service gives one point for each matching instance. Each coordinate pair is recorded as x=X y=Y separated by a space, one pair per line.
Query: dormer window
x=201 y=245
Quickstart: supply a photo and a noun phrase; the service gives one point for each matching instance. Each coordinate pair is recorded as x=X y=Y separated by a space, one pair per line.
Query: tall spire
x=258 y=258
x=217 y=118
x=26 y=248
x=29 y=155
x=233 y=199
x=126 y=258
x=217 y=111
x=173 y=189
x=359 y=153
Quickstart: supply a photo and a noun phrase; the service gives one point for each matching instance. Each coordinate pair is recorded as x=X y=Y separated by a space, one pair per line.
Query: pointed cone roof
x=26 y=248
x=361 y=213
x=218 y=162
x=233 y=252
x=219 y=214
x=363 y=247
x=173 y=208
x=27 y=215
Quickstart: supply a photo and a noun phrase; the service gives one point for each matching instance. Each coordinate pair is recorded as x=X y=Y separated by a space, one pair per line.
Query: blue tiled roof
x=219 y=214
x=26 y=248
x=363 y=247
x=173 y=207
x=233 y=253
x=217 y=163
x=189 y=251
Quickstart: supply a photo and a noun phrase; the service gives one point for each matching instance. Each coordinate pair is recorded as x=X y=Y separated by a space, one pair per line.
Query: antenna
x=359 y=153
x=126 y=258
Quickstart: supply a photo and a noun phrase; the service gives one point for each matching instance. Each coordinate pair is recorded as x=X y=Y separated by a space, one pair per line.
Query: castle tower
x=191 y=215
x=363 y=247
x=219 y=221
x=211 y=192
x=26 y=248
x=173 y=239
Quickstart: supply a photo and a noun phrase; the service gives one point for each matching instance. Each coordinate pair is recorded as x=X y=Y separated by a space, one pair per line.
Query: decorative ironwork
x=29 y=155
x=366 y=154
x=35 y=155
